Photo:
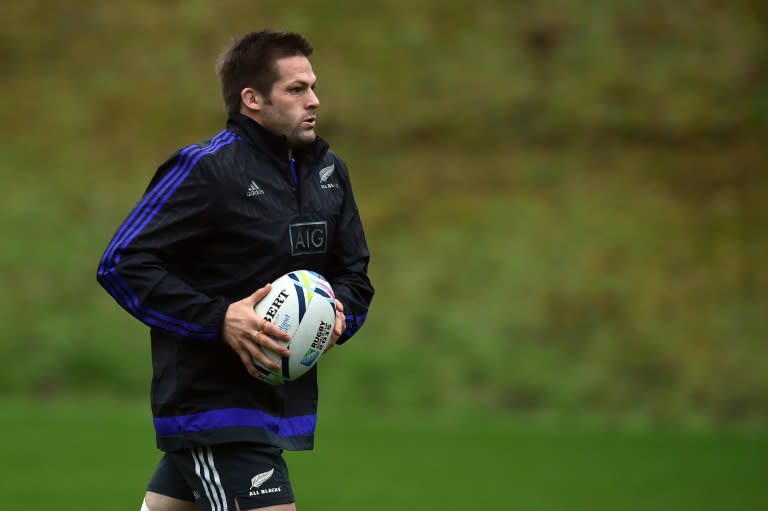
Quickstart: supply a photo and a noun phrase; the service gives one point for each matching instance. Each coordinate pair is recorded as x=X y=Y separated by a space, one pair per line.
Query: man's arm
x=349 y=272
x=134 y=268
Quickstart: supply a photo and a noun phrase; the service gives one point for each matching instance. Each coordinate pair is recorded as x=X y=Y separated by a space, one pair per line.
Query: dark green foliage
x=565 y=204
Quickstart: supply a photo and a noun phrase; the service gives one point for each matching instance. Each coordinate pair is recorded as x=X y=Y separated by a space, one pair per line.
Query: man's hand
x=249 y=335
x=339 y=327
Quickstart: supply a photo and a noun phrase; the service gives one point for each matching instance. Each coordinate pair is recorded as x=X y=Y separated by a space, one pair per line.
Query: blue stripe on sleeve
x=135 y=223
x=354 y=323
x=150 y=199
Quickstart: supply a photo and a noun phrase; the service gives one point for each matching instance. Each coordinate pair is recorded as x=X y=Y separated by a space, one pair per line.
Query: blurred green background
x=566 y=208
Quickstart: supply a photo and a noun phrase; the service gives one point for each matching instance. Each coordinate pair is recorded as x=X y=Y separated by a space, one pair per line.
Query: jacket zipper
x=295 y=179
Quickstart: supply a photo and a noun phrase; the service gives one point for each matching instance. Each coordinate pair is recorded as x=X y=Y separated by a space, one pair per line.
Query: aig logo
x=309 y=238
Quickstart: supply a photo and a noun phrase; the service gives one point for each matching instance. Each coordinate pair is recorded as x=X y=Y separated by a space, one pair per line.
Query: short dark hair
x=251 y=62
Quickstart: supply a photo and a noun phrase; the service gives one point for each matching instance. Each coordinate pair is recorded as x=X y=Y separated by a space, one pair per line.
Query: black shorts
x=218 y=475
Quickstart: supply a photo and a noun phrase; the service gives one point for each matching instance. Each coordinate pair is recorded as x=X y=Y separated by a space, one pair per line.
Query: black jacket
x=219 y=220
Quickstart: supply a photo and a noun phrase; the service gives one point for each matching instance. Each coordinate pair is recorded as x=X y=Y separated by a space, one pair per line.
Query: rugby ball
x=302 y=304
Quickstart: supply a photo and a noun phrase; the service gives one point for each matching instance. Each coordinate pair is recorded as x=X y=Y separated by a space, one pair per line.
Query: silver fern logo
x=260 y=479
x=326 y=172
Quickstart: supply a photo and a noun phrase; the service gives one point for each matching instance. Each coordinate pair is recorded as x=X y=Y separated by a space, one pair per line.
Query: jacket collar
x=274 y=145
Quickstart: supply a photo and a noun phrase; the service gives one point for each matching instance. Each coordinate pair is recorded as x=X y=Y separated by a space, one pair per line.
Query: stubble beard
x=300 y=136
x=296 y=135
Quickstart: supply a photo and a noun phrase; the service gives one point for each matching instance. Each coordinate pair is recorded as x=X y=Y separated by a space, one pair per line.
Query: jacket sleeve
x=137 y=266
x=349 y=274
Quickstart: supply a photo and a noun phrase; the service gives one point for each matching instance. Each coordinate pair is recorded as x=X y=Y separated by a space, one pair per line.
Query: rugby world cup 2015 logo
x=324 y=332
x=309 y=357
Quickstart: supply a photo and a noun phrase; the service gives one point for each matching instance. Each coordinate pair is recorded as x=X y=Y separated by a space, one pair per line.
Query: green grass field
x=97 y=454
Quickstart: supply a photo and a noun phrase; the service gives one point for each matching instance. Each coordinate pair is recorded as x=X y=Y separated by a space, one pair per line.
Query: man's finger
x=274 y=331
x=247 y=361
x=341 y=321
x=256 y=347
x=268 y=342
x=258 y=295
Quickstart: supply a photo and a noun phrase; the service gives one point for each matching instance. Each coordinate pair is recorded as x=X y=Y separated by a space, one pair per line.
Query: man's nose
x=312 y=100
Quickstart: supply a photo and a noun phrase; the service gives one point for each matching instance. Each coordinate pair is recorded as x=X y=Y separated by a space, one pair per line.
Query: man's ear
x=251 y=100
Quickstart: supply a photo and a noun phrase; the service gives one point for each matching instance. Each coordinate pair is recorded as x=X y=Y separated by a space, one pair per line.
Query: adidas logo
x=253 y=189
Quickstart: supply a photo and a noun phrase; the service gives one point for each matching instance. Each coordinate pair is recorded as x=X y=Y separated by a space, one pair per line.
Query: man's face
x=290 y=108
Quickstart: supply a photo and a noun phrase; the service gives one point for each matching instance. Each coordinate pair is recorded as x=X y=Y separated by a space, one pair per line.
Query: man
x=219 y=220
